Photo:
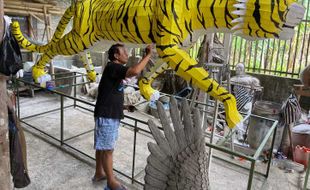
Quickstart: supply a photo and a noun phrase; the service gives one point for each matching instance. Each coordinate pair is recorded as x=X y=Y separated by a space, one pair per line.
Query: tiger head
x=267 y=19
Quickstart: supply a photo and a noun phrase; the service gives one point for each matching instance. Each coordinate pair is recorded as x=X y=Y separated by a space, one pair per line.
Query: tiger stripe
x=170 y=24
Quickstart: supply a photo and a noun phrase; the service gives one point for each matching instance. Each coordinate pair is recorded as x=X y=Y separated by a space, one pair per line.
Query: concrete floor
x=54 y=167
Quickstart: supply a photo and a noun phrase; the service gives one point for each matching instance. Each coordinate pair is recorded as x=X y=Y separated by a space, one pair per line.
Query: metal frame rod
x=91 y=157
x=65 y=73
x=46 y=112
x=61 y=120
x=17 y=101
x=70 y=85
x=270 y=153
x=67 y=77
x=83 y=133
x=22 y=121
x=134 y=152
x=307 y=175
x=138 y=129
x=264 y=141
x=55 y=92
x=78 y=106
x=228 y=151
x=238 y=165
x=74 y=92
x=212 y=134
x=251 y=175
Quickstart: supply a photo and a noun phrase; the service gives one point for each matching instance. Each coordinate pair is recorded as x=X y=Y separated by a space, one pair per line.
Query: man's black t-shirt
x=110 y=98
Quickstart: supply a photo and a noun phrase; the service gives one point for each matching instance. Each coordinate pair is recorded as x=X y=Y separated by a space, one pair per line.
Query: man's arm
x=137 y=68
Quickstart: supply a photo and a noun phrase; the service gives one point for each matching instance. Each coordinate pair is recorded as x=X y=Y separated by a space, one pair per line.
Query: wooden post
x=47 y=24
x=5 y=176
x=1 y=20
x=47 y=21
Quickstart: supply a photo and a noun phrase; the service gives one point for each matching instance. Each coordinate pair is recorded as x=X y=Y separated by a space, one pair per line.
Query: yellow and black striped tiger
x=171 y=25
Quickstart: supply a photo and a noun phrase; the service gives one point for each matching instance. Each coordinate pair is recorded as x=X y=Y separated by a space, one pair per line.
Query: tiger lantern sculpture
x=172 y=25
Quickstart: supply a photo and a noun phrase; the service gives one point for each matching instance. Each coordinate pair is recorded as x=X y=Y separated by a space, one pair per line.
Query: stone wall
x=277 y=89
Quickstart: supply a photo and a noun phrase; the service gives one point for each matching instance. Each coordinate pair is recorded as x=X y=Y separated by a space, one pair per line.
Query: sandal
x=95 y=180
x=122 y=187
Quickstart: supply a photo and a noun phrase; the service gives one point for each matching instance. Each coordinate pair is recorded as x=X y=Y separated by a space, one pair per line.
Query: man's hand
x=137 y=68
x=148 y=49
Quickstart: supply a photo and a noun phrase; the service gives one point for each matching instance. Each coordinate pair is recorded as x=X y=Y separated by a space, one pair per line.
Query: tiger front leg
x=70 y=44
x=145 y=82
x=88 y=65
x=38 y=73
x=147 y=91
x=188 y=69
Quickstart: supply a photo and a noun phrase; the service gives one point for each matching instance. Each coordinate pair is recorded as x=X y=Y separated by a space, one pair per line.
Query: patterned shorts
x=106 y=133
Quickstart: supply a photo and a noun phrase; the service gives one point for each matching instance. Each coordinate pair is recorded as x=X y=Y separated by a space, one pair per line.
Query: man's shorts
x=106 y=133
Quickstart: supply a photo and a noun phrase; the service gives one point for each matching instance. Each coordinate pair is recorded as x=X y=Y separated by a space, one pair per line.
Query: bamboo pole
x=47 y=24
x=20 y=7
x=30 y=6
x=20 y=12
x=27 y=4
x=32 y=9
x=5 y=177
x=36 y=8
x=36 y=17
x=26 y=12
x=26 y=8
x=47 y=19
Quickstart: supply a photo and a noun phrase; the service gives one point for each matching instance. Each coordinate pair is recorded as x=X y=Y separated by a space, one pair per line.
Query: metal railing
x=135 y=124
x=307 y=175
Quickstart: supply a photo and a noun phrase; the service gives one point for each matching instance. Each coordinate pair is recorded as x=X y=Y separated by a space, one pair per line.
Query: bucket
x=302 y=154
x=258 y=127
x=50 y=85
x=301 y=135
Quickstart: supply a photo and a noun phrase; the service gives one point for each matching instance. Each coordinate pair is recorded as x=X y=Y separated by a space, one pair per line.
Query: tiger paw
x=91 y=76
x=233 y=117
x=40 y=76
x=266 y=20
x=147 y=91
x=294 y=16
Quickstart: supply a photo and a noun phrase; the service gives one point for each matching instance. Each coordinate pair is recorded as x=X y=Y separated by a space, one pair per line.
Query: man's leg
x=108 y=168
x=99 y=174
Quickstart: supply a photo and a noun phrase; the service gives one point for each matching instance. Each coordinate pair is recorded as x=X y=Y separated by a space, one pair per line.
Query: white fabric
x=20 y=74
x=302 y=129
x=131 y=96
x=7 y=23
x=155 y=96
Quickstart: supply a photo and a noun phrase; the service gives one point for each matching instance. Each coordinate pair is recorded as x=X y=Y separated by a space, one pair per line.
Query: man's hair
x=113 y=50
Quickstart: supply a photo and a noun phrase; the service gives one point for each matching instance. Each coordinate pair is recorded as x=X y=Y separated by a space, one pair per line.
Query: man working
x=109 y=110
